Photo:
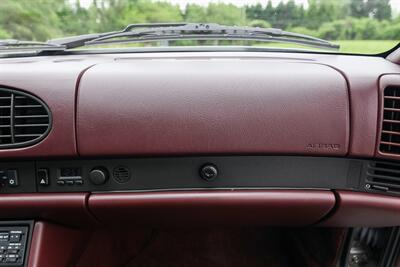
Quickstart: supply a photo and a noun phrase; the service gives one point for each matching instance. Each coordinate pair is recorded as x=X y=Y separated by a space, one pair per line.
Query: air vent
x=24 y=119
x=383 y=176
x=390 y=135
x=121 y=174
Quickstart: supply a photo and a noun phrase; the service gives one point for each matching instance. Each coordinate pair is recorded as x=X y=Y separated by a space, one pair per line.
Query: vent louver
x=121 y=174
x=383 y=176
x=24 y=119
x=390 y=135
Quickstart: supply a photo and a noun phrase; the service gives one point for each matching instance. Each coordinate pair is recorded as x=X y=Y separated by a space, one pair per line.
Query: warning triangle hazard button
x=43 y=177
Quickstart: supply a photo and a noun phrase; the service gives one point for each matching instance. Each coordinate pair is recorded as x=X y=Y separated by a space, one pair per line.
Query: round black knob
x=98 y=176
x=208 y=172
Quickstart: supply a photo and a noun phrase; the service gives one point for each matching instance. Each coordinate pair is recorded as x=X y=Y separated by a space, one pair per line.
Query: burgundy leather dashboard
x=293 y=103
x=189 y=104
x=54 y=82
x=203 y=106
x=234 y=102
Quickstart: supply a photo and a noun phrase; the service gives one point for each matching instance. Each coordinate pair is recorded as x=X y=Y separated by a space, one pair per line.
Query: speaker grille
x=24 y=119
x=121 y=174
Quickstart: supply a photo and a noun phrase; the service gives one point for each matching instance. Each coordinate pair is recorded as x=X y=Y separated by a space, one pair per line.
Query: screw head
x=209 y=172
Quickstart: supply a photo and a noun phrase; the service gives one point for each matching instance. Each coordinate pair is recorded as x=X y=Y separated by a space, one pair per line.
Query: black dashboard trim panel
x=178 y=173
x=186 y=173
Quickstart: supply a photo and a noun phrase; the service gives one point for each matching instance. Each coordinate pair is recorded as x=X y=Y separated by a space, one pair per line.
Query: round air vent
x=121 y=174
x=24 y=119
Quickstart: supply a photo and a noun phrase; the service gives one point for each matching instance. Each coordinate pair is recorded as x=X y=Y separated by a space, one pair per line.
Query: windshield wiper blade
x=196 y=31
x=20 y=45
x=82 y=40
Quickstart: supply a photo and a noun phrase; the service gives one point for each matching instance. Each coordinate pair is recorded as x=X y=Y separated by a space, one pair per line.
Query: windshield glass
x=357 y=26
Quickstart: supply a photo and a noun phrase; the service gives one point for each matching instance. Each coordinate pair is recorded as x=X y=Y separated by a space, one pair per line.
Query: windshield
x=356 y=26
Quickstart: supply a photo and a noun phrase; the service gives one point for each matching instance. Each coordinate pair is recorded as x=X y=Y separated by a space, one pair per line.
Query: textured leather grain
x=54 y=82
x=198 y=106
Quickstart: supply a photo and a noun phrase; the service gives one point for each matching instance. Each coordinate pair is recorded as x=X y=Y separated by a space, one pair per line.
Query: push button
x=12 y=251
x=4 y=237
x=12 y=176
x=11 y=258
x=43 y=177
x=15 y=237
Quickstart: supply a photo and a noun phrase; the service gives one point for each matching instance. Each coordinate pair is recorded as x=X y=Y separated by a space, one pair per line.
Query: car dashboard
x=197 y=139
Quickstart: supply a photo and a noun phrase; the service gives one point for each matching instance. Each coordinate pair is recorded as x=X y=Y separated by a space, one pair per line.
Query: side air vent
x=390 y=135
x=383 y=176
x=24 y=119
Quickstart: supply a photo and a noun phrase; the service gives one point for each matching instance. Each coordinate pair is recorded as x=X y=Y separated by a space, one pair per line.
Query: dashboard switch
x=98 y=176
x=12 y=178
x=16 y=237
x=43 y=177
x=4 y=236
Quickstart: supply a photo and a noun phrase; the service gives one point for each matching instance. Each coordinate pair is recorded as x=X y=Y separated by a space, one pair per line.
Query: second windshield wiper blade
x=196 y=31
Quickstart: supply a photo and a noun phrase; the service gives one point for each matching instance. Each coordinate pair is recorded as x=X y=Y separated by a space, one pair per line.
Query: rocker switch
x=12 y=176
x=43 y=177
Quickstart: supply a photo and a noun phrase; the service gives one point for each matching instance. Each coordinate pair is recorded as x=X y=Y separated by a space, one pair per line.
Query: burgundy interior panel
x=54 y=82
x=54 y=245
x=268 y=207
x=117 y=245
x=219 y=247
x=65 y=208
x=364 y=209
x=189 y=106
x=362 y=75
x=205 y=103
x=53 y=79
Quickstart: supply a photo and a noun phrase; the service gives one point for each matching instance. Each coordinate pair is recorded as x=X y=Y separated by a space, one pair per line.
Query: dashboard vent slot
x=390 y=135
x=383 y=176
x=121 y=174
x=24 y=119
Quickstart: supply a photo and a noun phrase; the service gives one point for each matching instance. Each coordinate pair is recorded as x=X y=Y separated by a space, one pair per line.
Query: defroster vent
x=390 y=135
x=383 y=176
x=24 y=119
